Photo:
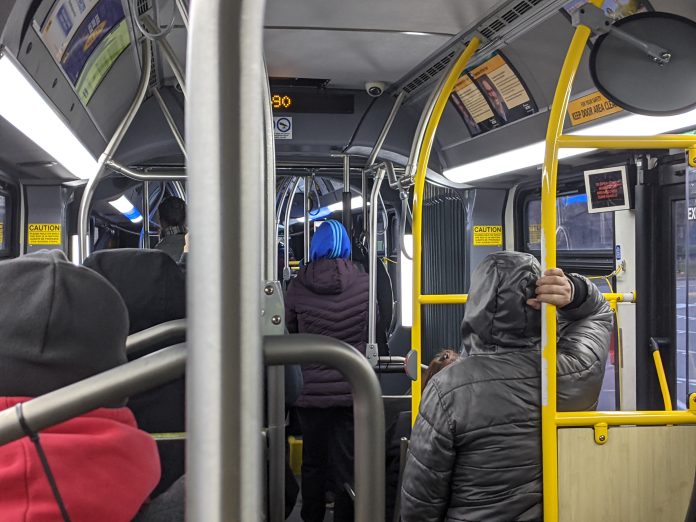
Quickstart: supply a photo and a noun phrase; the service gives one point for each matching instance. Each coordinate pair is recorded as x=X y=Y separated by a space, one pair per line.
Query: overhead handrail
x=156 y=335
x=555 y=140
x=110 y=150
x=417 y=169
x=145 y=175
x=168 y=52
x=444 y=299
x=368 y=409
x=98 y=391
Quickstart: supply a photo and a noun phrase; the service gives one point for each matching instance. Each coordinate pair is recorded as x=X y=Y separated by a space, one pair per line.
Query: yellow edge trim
x=418 y=189
x=663 y=141
x=662 y=378
x=442 y=299
x=618 y=418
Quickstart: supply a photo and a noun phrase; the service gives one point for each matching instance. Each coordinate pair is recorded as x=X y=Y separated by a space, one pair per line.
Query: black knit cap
x=59 y=323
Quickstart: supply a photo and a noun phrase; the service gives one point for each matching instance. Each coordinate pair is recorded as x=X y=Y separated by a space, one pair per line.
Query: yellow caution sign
x=488 y=235
x=44 y=234
x=590 y=108
x=534 y=231
x=2 y=235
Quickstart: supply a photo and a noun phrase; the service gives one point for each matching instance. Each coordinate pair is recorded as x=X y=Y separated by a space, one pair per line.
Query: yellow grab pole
x=662 y=378
x=442 y=299
x=549 y=441
x=418 y=189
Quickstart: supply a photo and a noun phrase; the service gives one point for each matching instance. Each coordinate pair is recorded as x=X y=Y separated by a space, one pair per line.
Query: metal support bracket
x=691 y=156
x=273 y=310
x=692 y=402
x=599 y=23
x=601 y=433
x=411 y=365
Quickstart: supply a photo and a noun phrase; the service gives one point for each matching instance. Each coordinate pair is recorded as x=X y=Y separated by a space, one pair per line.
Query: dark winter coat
x=328 y=297
x=475 y=450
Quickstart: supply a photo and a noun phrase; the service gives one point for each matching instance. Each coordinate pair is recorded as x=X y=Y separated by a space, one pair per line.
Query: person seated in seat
x=330 y=297
x=59 y=324
x=172 y=218
x=401 y=429
x=154 y=290
x=475 y=451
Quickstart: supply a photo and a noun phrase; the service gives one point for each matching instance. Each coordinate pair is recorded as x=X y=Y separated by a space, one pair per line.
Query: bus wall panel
x=641 y=474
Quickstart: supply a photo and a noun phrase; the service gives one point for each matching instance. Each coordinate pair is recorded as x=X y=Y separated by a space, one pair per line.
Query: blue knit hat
x=330 y=241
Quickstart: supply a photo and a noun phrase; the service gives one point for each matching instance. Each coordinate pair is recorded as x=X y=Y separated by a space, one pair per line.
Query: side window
x=577 y=230
x=3 y=214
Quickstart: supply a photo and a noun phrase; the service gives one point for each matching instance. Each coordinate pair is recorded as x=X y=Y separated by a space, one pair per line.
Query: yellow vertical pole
x=419 y=188
x=549 y=176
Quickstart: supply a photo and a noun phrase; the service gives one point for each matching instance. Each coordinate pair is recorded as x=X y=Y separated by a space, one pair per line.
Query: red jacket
x=105 y=468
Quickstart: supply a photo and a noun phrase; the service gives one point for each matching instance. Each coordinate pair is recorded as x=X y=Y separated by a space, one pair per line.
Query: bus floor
x=295 y=515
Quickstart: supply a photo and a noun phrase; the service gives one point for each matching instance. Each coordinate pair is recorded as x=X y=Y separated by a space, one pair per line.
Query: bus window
x=576 y=230
x=4 y=243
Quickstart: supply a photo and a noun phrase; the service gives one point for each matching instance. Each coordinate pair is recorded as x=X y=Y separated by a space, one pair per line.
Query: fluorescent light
x=125 y=207
x=406 y=276
x=354 y=203
x=415 y=33
x=75 y=249
x=530 y=155
x=26 y=109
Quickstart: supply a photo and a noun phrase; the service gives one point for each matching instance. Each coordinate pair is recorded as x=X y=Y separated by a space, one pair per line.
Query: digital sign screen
x=312 y=102
x=607 y=190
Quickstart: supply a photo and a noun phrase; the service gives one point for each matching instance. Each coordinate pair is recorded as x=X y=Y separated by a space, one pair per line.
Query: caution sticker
x=590 y=108
x=488 y=235
x=44 y=234
x=2 y=235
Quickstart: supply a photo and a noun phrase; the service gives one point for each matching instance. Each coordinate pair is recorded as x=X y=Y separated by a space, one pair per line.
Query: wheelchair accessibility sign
x=282 y=127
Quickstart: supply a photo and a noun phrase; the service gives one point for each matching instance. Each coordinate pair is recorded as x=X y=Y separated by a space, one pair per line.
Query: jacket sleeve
x=585 y=329
x=290 y=313
x=425 y=490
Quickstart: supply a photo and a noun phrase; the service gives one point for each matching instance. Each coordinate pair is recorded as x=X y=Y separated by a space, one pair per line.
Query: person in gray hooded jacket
x=475 y=450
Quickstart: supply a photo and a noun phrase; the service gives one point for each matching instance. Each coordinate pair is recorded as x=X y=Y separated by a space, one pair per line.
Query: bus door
x=666 y=283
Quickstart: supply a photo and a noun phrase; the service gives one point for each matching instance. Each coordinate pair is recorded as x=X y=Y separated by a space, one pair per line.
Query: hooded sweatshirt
x=328 y=297
x=475 y=451
x=60 y=323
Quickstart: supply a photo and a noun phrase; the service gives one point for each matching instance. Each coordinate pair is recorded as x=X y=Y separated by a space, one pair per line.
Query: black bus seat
x=154 y=290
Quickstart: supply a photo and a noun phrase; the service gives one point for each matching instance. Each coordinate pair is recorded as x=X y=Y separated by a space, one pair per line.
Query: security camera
x=375 y=89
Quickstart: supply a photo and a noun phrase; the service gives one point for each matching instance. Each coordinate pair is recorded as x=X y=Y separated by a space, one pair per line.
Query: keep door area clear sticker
x=488 y=235
x=591 y=107
x=492 y=94
x=43 y=234
x=282 y=127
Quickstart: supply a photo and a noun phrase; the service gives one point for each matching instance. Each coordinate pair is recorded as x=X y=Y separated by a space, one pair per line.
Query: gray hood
x=497 y=316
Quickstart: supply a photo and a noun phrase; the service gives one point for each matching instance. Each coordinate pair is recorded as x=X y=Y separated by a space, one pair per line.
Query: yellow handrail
x=662 y=378
x=445 y=299
x=418 y=189
x=549 y=175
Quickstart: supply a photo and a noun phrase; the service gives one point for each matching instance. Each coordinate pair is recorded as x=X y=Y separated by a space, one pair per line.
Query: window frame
x=585 y=262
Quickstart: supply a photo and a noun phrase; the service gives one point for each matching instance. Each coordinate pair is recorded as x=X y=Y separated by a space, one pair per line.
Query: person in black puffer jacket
x=475 y=452
x=330 y=297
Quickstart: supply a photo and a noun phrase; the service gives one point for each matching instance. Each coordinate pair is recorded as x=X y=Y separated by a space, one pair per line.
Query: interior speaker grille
x=143 y=7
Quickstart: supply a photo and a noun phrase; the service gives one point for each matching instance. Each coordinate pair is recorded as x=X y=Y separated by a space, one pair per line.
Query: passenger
x=154 y=290
x=172 y=218
x=401 y=429
x=330 y=297
x=475 y=451
x=59 y=324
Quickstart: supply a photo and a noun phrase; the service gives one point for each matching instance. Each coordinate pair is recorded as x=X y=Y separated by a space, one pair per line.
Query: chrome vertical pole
x=371 y=351
x=181 y=6
x=385 y=130
x=112 y=146
x=347 y=210
x=146 y=215
x=291 y=198
x=168 y=53
x=224 y=134
x=275 y=374
x=363 y=179
x=307 y=204
x=170 y=121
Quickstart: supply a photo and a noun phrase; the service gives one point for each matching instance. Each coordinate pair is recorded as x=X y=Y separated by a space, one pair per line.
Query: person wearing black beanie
x=59 y=324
